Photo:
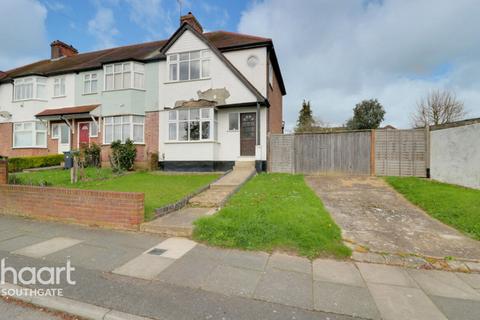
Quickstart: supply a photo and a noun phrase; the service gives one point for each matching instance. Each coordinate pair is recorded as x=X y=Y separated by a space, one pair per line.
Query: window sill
x=59 y=97
x=125 y=89
x=29 y=147
x=185 y=142
x=135 y=143
x=33 y=99
x=182 y=81
x=233 y=131
x=89 y=94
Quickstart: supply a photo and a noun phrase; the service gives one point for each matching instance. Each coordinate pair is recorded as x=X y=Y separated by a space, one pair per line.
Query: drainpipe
x=258 y=123
x=258 y=147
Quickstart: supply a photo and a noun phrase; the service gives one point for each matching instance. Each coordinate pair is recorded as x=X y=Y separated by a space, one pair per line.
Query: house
x=200 y=100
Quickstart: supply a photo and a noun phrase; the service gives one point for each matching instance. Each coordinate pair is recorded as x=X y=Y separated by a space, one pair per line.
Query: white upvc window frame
x=59 y=87
x=19 y=127
x=206 y=115
x=237 y=116
x=175 y=60
x=132 y=121
x=29 y=84
x=55 y=131
x=88 y=80
x=135 y=70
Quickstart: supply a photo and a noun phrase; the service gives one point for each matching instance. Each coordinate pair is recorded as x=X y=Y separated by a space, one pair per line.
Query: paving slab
x=402 y=303
x=47 y=247
x=458 y=309
x=245 y=259
x=473 y=266
x=472 y=279
x=344 y=299
x=290 y=263
x=286 y=287
x=443 y=284
x=384 y=274
x=22 y=241
x=178 y=223
x=191 y=270
x=176 y=247
x=145 y=266
x=337 y=272
x=232 y=281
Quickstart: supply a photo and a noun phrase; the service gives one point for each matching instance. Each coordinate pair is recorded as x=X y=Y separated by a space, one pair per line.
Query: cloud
x=336 y=53
x=152 y=16
x=102 y=26
x=23 y=35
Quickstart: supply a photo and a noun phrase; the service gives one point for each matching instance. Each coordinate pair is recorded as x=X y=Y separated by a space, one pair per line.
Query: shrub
x=153 y=161
x=19 y=164
x=123 y=155
x=91 y=155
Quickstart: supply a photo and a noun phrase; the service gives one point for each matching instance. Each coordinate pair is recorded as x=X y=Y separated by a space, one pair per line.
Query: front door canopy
x=68 y=113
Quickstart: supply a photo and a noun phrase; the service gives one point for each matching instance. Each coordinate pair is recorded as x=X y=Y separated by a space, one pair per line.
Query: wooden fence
x=372 y=152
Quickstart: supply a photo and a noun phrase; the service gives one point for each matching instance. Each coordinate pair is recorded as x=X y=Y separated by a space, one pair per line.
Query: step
x=178 y=223
x=244 y=164
x=212 y=198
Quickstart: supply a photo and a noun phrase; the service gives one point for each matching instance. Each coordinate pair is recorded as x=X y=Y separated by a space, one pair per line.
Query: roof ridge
x=239 y=33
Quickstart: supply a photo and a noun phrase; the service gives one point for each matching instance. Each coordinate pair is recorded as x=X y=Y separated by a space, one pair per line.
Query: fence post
x=372 y=153
x=427 y=150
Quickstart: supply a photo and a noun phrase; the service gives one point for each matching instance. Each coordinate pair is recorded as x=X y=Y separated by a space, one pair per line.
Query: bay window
x=59 y=87
x=90 y=83
x=191 y=65
x=31 y=134
x=119 y=76
x=123 y=128
x=191 y=124
x=29 y=88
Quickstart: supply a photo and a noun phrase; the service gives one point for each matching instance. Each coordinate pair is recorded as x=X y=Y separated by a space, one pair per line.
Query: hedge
x=19 y=164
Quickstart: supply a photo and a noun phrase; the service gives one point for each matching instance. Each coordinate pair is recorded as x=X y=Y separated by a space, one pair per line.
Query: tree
x=305 y=120
x=367 y=114
x=438 y=107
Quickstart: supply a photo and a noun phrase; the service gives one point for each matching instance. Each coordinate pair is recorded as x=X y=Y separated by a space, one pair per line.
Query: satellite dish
x=5 y=114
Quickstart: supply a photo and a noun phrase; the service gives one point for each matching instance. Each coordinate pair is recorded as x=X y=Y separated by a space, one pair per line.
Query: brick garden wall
x=119 y=210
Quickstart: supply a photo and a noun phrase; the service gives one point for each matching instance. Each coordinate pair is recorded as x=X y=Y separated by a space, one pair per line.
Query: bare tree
x=438 y=107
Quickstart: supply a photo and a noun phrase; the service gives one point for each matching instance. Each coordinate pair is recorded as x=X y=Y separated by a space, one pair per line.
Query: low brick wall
x=119 y=210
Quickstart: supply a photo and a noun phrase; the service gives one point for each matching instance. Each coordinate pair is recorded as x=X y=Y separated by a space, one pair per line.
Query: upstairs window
x=29 y=135
x=191 y=65
x=119 y=76
x=90 y=83
x=123 y=128
x=29 y=88
x=59 y=87
x=191 y=124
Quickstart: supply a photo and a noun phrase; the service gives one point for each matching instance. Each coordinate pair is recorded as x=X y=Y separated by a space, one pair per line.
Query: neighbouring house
x=200 y=100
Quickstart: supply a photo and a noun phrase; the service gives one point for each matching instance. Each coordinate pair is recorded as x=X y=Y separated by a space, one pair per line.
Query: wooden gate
x=401 y=152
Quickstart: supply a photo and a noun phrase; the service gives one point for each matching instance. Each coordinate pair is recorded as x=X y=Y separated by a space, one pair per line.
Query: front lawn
x=274 y=211
x=159 y=188
x=456 y=206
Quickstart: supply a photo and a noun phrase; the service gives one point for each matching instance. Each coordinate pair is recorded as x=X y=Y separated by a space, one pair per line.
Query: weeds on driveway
x=456 y=206
x=274 y=211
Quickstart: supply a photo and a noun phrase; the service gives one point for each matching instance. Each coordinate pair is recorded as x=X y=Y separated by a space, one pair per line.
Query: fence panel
x=401 y=152
x=281 y=153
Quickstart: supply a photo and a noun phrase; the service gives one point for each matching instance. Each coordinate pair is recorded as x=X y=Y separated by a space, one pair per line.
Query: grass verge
x=274 y=211
x=160 y=189
x=456 y=206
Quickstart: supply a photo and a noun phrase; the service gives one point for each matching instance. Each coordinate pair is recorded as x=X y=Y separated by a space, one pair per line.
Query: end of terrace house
x=200 y=100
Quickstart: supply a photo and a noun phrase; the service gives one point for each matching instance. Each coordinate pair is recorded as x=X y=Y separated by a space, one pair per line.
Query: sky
x=334 y=53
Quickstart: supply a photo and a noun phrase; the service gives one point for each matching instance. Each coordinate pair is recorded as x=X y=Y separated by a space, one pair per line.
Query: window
x=270 y=74
x=190 y=124
x=93 y=130
x=29 y=135
x=119 y=76
x=123 y=128
x=90 y=83
x=191 y=65
x=55 y=131
x=233 y=121
x=59 y=87
x=29 y=88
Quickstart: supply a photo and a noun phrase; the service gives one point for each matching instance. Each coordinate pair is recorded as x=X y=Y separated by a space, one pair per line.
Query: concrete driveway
x=373 y=214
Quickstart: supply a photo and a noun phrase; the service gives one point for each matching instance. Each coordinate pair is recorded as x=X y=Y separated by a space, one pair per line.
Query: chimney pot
x=192 y=21
x=60 y=49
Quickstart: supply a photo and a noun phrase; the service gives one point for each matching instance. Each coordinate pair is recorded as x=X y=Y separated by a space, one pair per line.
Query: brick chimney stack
x=192 y=21
x=60 y=49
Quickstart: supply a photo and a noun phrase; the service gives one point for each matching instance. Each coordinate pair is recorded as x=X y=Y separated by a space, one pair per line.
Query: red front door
x=84 y=133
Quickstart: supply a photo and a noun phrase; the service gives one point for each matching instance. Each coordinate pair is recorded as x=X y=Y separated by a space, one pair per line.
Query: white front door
x=63 y=138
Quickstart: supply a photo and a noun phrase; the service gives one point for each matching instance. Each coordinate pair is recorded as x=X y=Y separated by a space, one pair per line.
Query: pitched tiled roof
x=143 y=52
x=67 y=111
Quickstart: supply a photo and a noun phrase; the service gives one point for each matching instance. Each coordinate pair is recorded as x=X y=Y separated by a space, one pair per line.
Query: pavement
x=13 y=310
x=177 y=278
x=372 y=214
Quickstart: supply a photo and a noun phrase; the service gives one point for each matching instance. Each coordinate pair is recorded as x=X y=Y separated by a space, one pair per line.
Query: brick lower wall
x=3 y=171
x=118 y=210
x=275 y=112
